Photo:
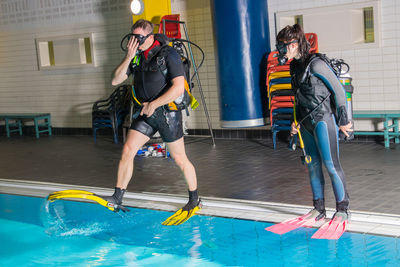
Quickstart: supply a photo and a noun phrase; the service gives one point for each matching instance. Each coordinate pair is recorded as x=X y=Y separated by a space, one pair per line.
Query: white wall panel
x=375 y=71
x=68 y=94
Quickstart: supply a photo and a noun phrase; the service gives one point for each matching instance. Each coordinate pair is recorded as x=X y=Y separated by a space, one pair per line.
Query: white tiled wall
x=197 y=16
x=69 y=94
x=375 y=71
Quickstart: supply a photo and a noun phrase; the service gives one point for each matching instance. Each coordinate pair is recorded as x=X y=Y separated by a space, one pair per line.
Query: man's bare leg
x=177 y=150
x=134 y=142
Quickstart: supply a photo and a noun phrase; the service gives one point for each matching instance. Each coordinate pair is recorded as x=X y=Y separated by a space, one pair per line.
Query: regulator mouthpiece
x=282 y=50
x=282 y=60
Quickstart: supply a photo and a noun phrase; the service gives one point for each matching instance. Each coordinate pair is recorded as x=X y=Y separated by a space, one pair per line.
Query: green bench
x=388 y=116
x=14 y=122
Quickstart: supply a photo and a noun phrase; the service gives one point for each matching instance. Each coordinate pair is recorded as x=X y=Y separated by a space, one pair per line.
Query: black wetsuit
x=319 y=128
x=150 y=83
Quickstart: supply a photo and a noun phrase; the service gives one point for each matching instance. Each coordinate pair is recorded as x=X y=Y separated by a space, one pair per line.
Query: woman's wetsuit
x=321 y=106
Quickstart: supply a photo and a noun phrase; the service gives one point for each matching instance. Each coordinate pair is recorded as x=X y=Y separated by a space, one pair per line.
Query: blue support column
x=241 y=31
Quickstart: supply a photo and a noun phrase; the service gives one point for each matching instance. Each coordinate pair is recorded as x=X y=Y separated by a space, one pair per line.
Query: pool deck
x=237 y=178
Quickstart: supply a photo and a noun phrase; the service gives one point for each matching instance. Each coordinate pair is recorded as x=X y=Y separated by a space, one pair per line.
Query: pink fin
x=339 y=230
x=292 y=224
x=333 y=229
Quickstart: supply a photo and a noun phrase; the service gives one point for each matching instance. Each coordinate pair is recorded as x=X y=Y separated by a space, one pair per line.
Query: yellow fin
x=79 y=194
x=181 y=216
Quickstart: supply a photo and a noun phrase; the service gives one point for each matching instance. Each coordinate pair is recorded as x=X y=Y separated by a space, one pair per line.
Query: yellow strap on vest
x=193 y=102
x=172 y=106
x=295 y=123
x=134 y=96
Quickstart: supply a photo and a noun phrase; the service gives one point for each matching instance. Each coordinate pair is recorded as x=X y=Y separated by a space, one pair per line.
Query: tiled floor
x=239 y=169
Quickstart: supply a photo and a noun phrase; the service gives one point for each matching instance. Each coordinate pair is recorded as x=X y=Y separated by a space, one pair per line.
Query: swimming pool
x=93 y=236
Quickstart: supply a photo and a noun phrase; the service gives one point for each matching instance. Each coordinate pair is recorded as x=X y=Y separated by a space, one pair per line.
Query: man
x=154 y=90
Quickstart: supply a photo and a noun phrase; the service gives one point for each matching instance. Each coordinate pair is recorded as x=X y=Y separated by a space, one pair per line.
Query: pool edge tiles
x=361 y=222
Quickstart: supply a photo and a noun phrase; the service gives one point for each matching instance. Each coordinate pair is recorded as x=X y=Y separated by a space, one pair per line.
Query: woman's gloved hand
x=346 y=128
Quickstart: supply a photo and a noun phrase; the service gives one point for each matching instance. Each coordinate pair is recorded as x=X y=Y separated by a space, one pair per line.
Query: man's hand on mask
x=132 y=47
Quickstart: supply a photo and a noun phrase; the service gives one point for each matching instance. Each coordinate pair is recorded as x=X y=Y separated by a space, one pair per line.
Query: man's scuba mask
x=141 y=39
x=282 y=50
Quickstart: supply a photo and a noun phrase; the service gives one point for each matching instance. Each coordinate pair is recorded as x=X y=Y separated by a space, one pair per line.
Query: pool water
x=84 y=234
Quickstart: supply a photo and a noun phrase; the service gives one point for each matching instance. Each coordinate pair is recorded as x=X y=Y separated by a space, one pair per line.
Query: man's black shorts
x=167 y=123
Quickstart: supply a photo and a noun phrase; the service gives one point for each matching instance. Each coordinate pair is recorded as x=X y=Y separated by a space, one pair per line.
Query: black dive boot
x=319 y=205
x=342 y=210
x=194 y=200
x=115 y=200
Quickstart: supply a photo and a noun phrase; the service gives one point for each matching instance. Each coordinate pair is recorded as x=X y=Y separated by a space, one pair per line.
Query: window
x=369 y=36
x=298 y=19
x=338 y=27
x=65 y=51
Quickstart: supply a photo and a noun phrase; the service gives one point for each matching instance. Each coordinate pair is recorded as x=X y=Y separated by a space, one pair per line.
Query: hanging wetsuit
x=150 y=83
x=321 y=102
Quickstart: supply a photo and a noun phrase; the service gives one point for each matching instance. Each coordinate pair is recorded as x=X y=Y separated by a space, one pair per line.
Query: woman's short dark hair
x=143 y=24
x=295 y=32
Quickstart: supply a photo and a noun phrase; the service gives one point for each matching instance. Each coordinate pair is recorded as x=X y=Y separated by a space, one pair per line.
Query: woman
x=321 y=109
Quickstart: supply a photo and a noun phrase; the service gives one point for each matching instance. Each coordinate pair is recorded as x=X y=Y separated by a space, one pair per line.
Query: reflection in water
x=102 y=255
x=196 y=238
